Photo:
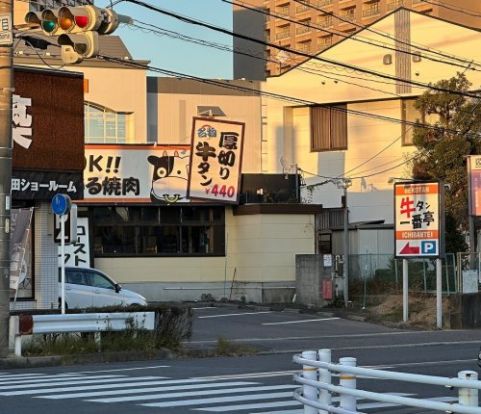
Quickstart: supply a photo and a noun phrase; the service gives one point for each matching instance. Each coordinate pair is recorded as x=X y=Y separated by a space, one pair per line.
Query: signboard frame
x=418 y=250
x=474 y=185
x=195 y=192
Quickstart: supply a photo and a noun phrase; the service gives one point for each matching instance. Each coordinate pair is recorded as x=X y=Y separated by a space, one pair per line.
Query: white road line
x=107 y=386
x=300 y=321
x=55 y=379
x=256 y=406
x=265 y=374
x=82 y=381
x=301 y=411
x=297 y=338
x=143 y=390
x=203 y=401
x=124 y=369
x=9 y=378
x=232 y=314
x=204 y=307
x=194 y=394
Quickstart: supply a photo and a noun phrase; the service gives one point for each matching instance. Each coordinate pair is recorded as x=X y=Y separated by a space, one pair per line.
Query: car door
x=104 y=290
x=78 y=294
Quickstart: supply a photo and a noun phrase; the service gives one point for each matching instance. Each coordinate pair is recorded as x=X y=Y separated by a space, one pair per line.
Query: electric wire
x=321 y=59
x=353 y=37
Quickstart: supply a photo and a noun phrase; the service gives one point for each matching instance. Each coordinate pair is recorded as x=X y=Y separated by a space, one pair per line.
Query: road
x=252 y=384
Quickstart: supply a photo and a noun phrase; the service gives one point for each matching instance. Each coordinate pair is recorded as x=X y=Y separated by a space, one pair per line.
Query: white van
x=85 y=288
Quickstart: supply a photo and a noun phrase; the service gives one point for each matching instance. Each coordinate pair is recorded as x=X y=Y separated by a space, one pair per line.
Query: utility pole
x=6 y=89
x=345 y=183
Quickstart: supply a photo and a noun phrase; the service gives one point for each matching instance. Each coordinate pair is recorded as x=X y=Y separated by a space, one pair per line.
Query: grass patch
x=225 y=347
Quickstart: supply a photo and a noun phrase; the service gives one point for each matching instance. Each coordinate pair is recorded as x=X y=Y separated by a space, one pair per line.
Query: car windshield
x=100 y=281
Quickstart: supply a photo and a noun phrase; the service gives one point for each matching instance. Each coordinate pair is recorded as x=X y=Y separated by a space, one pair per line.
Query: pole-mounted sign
x=418 y=219
x=61 y=205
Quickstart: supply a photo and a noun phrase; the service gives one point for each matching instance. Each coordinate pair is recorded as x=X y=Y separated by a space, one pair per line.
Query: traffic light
x=77 y=28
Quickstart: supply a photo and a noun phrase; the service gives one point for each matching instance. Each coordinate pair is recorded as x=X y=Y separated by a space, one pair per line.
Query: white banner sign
x=216 y=161
x=136 y=173
x=78 y=254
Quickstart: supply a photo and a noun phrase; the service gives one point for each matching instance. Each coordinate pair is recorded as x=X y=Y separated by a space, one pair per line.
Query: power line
x=386 y=35
x=467 y=11
x=371 y=42
x=321 y=59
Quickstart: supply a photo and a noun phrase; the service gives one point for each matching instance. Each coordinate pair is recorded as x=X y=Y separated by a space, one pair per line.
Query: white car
x=85 y=288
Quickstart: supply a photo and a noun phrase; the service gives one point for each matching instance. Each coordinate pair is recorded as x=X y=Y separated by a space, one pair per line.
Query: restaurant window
x=158 y=231
x=328 y=128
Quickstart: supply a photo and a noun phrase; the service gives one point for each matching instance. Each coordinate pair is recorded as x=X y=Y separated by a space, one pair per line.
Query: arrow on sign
x=409 y=249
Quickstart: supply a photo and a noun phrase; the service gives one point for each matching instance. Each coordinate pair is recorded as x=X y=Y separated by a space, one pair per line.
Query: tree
x=454 y=133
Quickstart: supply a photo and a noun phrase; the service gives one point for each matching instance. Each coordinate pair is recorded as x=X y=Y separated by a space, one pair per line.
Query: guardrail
x=22 y=325
x=317 y=387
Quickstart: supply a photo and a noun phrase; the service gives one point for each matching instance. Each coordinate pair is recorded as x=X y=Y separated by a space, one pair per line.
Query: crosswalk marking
x=204 y=401
x=83 y=380
x=51 y=379
x=194 y=393
x=230 y=393
x=256 y=406
x=140 y=390
x=125 y=369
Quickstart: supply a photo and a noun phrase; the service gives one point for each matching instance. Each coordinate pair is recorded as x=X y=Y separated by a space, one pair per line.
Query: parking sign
x=418 y=219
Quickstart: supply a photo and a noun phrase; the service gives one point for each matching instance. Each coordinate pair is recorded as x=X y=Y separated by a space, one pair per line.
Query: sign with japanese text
x=48 y=121
x=42 y=185
x=215 y=167
x=136 y=173
x=474 y=181
x=78 y=254
x=418 y=219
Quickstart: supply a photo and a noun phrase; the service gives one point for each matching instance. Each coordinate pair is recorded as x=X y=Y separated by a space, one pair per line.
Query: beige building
x=315 y=27
x=359 y=127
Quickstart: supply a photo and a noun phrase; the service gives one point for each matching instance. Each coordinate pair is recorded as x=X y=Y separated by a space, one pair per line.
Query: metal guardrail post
x=325 y=378
x=468 y=396
x=347 y=380
x=309 y=392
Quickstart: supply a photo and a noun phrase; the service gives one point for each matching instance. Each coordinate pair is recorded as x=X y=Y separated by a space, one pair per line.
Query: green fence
x=374 y=274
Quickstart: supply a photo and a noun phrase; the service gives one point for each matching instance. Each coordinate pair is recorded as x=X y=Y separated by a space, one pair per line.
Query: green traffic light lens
x=49 y=26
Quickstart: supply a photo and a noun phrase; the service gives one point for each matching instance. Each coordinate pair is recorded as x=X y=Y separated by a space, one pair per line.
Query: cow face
x=169 y=178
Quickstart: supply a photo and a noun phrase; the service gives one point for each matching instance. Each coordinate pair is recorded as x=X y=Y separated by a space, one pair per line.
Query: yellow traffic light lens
x=66 y=23
x=48 y=26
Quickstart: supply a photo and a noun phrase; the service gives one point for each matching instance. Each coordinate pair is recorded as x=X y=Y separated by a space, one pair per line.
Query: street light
x=344 y=184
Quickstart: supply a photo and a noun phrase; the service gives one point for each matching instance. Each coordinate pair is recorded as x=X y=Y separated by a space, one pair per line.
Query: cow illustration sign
x=136 y=173
x=216 y=160
x=418 y=219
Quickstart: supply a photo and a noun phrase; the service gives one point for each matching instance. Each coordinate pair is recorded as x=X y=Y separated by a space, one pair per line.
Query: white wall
x=374 y=149
x=175 y=113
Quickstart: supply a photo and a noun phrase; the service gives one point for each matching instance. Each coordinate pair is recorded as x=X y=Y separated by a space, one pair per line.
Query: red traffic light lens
x=82 y=21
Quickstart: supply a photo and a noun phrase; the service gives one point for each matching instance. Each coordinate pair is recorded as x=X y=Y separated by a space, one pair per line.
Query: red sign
x=327 y=289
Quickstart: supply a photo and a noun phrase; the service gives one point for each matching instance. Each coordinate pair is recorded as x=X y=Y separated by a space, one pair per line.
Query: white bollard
x=325 y=378
x=468 y=396
x=309 y=392
x=347 y=380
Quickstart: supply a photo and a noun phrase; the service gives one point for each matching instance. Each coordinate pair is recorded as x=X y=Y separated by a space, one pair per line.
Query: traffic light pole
x=6 y=88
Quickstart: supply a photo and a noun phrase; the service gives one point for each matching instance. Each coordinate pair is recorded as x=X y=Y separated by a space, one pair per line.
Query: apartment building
x=317 y=26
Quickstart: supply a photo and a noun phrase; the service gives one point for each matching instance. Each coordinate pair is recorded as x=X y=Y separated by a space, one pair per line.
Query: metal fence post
x=347 y=380
x=309 y=392
x=325 y=378
x=468 y=396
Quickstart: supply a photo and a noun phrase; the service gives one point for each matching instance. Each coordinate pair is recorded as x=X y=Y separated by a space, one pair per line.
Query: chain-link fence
x=374 y=275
